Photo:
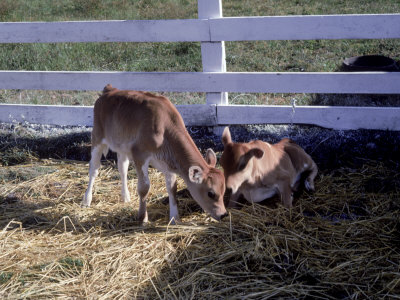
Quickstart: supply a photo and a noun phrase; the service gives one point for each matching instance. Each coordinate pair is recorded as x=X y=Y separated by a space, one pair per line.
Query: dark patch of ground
x=329 y=148
x=21 y=143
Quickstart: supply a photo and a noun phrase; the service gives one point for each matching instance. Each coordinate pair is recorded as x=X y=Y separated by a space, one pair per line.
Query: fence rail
x=206 y=30
x=343 y=118
x=258 y=82
x=212 y=32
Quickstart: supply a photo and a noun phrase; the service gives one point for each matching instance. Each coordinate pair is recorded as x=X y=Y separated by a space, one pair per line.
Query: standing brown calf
x=258 y=170
x=148 y=130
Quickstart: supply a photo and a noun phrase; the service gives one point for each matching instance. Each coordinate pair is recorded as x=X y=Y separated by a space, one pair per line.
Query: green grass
x=48 y=10
x=24 y=173
x=257 y=56
x=71 y=264
x=5 y=276
x=307 y=7
x=14 y=156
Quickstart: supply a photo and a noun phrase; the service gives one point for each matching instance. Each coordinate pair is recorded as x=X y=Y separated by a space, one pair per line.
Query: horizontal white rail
x=384 y=26
x=344 y=118
x=306 y=27
x=105 y=31
x=288 y=82
x=337 y=117
x=193 y=114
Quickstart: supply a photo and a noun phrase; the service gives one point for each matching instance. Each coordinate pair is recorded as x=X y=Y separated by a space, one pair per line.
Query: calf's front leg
x=234 y=200
x=143 y=187
x=170 y=180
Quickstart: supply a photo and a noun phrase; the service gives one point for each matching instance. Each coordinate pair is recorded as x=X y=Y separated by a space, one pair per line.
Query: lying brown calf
x=258 y=170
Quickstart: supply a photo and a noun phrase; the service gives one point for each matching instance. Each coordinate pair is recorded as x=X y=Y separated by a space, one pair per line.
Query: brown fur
x=258 y=170
x=147 y=128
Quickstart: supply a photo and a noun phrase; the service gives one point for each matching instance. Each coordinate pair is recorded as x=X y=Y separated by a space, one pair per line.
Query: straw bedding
x=340 y=242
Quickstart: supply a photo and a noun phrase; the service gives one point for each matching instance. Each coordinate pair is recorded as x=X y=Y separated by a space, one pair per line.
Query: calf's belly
x=259 y=194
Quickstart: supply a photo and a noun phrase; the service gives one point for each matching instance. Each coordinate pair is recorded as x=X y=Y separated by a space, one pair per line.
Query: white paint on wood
x=105 y=31
x=383 y=26
x=47 y=114
x=197 y=114
x=213 y=57
x=216 y=29
x=336 y=117
x=209 y=9
x=240 y=82
x=343 y=118
x=213 y=53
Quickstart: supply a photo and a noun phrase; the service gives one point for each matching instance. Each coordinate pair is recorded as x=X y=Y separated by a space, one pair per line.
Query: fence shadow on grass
x=20 y=146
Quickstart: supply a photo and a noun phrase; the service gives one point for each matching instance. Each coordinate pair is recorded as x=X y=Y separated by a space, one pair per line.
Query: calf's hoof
x=309 y=186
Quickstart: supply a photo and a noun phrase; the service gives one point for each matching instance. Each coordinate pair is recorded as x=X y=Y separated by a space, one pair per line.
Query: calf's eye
x=211 y=194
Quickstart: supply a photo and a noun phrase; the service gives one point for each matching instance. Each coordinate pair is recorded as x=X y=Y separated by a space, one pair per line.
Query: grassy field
x=320 y=55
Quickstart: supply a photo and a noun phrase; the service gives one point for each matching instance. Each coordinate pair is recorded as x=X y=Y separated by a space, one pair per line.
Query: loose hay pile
x=340 y=242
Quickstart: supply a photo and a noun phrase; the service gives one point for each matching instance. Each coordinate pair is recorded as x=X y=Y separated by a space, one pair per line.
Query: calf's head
x=237 y=162
x=207 y=186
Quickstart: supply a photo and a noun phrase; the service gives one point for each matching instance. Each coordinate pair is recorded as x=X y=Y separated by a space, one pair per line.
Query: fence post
x=213 y=53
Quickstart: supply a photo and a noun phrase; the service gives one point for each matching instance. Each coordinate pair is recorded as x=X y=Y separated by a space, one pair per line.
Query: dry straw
x=340 y=242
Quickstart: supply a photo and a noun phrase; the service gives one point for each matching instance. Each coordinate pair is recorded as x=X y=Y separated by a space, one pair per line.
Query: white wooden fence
x=211 y=29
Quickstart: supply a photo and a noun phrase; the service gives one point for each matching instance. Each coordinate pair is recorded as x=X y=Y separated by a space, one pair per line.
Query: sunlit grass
x=257 y=56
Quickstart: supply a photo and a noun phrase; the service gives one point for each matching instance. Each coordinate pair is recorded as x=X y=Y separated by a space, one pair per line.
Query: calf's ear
x=211 y=158
x=244 y=159
x=226 y=136
x=196 y=174
x=257 y=153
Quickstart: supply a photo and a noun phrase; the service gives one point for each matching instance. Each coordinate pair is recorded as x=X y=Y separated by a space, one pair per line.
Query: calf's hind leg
x=94 y=166
x=123 y=164
x=143 y=187
x=286 y=194
x=309 y=182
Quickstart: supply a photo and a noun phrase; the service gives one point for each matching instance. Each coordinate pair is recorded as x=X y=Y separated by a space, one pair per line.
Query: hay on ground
x=340 y=242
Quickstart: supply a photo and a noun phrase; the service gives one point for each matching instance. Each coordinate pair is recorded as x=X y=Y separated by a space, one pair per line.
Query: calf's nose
x=224 y=215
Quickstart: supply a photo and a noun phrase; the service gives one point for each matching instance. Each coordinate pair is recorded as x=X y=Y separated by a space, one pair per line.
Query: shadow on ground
x=329 y=148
